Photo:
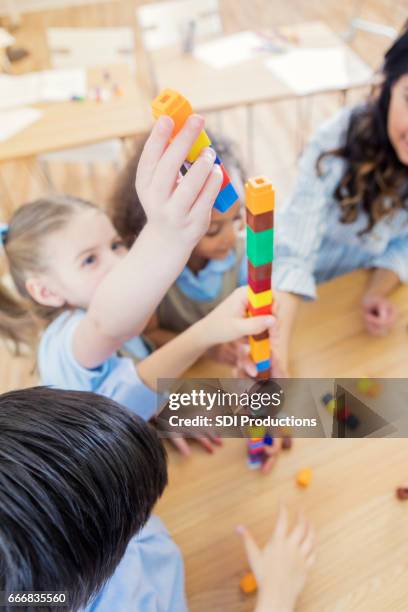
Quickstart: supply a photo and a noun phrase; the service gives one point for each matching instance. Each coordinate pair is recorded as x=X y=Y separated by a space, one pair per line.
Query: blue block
x=327 y=397
x=226 y=198
x=261 y=366
x=268 y=440
x=253 y=445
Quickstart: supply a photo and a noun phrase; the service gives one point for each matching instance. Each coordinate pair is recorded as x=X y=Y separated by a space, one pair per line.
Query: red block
x=225 y=177
x=257 y=286
x=256 y=312
x=259 y=272
x=343 y=414
x=259 y=223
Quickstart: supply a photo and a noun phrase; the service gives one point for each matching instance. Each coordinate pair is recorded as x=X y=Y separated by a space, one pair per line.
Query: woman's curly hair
x=374 y=179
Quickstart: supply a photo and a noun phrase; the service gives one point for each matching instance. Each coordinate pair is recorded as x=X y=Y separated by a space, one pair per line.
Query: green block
x=259 y=246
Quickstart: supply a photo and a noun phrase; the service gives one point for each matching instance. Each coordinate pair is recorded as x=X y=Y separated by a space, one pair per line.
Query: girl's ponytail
x=17 y=323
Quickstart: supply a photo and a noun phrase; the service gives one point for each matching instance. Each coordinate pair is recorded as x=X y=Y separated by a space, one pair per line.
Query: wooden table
x=74 y=124
x=247 y=83
x=362 y=563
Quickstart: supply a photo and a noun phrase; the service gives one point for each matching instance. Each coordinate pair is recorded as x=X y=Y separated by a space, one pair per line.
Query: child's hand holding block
x=173 y=104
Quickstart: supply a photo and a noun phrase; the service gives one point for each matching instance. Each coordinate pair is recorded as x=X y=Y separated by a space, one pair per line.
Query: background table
x=73 y=124
x=246 y=83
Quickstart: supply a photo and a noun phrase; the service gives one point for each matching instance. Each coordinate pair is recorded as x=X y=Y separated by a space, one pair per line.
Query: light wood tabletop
x=362 y=563
x=249 y=82
x=74 y=124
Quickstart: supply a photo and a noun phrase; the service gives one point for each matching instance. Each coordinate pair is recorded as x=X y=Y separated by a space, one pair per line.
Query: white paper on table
x=14 y=121
x=60 y=85
x=229 y=50
x=305 y=71
x=44 y=86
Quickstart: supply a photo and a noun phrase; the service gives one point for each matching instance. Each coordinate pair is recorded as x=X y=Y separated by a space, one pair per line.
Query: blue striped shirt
x=311 y=244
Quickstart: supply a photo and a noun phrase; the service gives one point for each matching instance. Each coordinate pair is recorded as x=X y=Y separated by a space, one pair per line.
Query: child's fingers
x=201 y=210
x=205 y=443
x=299 y=531
x=309 y=542
x=268 y=464
x=176 y=153
x=281 y=526
x=251 y=547
x=193 y=182
x=255 y=325
x=182 y=446
x=153 y=150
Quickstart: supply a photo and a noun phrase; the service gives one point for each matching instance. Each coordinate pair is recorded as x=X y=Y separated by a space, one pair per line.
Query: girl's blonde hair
x=23 y=245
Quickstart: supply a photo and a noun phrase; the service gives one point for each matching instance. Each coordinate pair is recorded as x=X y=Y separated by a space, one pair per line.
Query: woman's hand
x=379 y=314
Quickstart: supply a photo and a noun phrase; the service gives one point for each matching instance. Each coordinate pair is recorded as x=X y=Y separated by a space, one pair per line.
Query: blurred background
x=77 y=79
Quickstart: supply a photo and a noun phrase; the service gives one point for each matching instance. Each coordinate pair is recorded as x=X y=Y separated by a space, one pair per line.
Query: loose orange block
x=260 y=195
x=259 y=349
x=304 y=477
x=248 y=584
x=170 y=102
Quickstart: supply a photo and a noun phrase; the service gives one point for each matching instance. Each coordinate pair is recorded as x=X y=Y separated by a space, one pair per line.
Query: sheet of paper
x=44 y=86
x=305 y=71
x=60 y=85
x=19 y=90
x=229 y=50
x=14 y=121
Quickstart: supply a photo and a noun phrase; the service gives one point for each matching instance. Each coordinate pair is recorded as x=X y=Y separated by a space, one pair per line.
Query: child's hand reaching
x=179 y=211
x=228 y=321
x=379 y=314
x=282 y=566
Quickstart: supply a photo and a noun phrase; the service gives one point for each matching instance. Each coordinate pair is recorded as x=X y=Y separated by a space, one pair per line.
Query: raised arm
x=178 y=215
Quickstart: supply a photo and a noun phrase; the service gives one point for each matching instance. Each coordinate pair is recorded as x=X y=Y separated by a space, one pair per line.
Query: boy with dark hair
x=79 y=476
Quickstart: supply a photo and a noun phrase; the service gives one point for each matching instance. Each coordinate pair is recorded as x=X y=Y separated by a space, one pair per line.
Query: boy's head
x=79 y=476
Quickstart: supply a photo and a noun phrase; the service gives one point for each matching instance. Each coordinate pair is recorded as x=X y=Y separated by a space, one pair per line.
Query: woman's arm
x=287 y=305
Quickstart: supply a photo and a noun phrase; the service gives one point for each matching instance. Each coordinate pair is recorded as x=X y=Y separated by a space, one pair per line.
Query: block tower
x=260 y=204
x=170 y=102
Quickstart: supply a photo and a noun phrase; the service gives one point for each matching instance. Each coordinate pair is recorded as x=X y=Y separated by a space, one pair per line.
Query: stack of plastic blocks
x=260 y=204
x=259 y=438
x=343 y=415
x=170 y=102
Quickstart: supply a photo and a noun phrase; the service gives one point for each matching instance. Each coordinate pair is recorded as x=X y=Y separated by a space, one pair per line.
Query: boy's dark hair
x=79 y=476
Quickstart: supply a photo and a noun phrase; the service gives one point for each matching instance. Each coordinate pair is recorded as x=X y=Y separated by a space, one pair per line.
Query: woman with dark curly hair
x=349 y=206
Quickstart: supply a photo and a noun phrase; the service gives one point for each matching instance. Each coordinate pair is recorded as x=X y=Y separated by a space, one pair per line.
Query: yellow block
x=201 y=142
x=260 y=195
x=259 y=349
x=257 y=300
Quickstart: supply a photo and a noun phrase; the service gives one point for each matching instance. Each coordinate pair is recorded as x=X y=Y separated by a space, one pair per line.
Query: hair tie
x=4 y=229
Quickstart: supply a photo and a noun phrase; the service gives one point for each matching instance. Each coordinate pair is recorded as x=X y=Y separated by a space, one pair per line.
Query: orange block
x=260 y=350
x=304 y=477
x=248 y=584
x=170 y=102
x=260 y=195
